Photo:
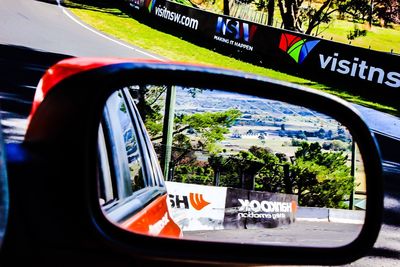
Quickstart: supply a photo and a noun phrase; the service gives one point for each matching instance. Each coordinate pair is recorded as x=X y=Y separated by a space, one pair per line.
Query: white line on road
x=105 y=36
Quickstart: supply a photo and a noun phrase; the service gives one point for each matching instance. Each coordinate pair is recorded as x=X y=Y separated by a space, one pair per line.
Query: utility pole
x=168 y=130
x=352 y=173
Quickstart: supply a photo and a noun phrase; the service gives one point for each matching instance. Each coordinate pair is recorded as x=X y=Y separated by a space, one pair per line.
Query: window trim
x=138 y=126
x=106 y=178
x=119 y=165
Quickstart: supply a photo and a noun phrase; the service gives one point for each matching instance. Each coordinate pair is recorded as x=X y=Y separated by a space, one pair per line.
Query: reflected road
x=303 y=233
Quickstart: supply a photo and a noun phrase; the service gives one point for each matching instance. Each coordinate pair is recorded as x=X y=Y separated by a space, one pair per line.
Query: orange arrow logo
x=198 y=201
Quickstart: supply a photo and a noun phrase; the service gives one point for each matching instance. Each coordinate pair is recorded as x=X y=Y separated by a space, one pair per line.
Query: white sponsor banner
x=196 y=207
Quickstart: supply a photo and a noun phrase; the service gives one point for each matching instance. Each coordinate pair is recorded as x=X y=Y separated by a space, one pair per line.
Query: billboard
x=254 y=209
x=196 y=207
x=200 y=207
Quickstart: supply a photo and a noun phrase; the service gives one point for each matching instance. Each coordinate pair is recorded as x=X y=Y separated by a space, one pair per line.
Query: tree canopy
x=308 y=16
x=320 y=178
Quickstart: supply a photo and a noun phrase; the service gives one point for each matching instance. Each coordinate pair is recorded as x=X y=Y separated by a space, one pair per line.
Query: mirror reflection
x=213 y=165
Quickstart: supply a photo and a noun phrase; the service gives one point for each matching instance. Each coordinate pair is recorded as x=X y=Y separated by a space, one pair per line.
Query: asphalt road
x=33 y=36
x=44 y=26
x=36 y=34
x=300 y=233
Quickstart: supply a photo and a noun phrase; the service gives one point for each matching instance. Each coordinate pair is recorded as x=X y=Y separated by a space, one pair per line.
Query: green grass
x=114 y=22
x=377 y=38
x=385 y=39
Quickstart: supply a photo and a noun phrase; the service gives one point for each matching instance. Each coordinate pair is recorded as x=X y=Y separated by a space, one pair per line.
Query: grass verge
x=105 y=17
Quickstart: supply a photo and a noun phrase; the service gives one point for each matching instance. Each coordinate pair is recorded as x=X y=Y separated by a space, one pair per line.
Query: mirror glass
x=204 y=164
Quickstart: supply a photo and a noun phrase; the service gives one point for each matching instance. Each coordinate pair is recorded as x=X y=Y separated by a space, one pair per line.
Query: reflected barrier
x=199 y=207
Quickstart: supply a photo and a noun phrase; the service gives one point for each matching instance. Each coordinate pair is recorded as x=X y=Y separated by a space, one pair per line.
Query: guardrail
x=200 y=207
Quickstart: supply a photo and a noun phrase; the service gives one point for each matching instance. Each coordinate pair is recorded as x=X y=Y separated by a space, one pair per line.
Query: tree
x=388 y=11
x=359 y=10
x=329 y=135
x=301 y=135
x=225 y=171
x=271 y=10
x=150 y=104
x=373 y=11
x=207 y=127
x=270 y=177
x=193 y=174
x=226 y=10
x=268 y=5
x=321 y=179
x=210 y=126
x=290 y=13
x=321 y=133
x=318 y=178
x=297 y=17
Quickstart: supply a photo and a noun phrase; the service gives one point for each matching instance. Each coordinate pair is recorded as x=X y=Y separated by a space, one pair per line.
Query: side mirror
x=270 y=158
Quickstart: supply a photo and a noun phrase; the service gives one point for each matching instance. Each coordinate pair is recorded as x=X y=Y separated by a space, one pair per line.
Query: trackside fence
x=368 y=73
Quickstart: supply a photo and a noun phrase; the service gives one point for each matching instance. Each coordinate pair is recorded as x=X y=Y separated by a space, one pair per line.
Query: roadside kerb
x=330 y=215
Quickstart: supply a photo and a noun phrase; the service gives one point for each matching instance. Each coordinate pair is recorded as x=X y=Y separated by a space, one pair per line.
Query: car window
x=150 y=157
x=120 y=159
x=131 y=145
x=128 y=174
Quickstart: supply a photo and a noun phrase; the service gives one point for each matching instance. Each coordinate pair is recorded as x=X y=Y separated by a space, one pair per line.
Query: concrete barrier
x=346 y=216
x=330 y=215
x=200 y=207
x=312 y=214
